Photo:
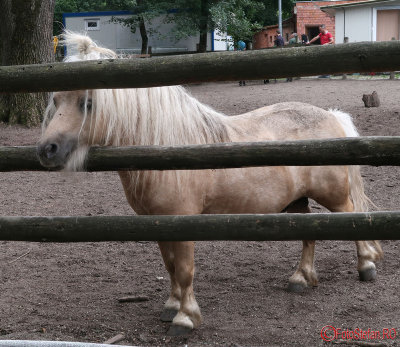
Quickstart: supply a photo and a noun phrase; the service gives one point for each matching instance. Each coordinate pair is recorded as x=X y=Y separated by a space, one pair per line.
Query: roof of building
x=317 y=1
x=96 y=13
x=332 y=8
x=285 y=22
x=105 y=13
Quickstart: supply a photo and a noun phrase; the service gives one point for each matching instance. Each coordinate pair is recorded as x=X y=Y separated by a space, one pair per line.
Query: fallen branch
x=21 y=256
x=115 y=339
x=133 y=299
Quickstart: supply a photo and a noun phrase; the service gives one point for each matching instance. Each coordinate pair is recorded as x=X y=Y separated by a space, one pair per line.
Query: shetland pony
x=171 y=116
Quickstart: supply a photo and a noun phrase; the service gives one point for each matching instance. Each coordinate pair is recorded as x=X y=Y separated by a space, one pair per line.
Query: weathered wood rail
x=207 y=67
x=344 y=151
x=245 y=227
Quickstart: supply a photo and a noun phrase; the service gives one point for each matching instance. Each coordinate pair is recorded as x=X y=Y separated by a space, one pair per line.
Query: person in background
x=293 y=38
x=279 y=42
x=292 y=41
x=324 y=36
x=304 y=39
x=241 y=46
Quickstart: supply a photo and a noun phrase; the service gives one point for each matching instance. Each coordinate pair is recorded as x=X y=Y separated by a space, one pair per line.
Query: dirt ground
x=70 y=291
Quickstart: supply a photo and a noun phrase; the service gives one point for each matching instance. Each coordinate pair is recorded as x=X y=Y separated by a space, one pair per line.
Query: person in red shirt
x=324 y=36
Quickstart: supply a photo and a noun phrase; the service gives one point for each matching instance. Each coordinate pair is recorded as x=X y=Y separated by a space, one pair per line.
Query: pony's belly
x=246 y=207
x=252 y=190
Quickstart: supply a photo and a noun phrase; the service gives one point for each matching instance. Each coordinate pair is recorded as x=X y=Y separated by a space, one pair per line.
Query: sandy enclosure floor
x=70 y=291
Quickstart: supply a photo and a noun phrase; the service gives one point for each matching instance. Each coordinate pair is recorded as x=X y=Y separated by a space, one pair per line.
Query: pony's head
x=67 y=129
x=121 y=117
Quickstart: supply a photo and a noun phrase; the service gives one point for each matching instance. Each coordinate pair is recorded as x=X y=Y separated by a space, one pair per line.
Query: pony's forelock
x=48 y=113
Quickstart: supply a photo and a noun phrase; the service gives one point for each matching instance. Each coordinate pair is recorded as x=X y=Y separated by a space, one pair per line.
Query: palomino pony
x=170 y=116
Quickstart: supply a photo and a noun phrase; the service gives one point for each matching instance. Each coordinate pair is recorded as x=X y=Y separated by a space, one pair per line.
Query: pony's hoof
x=367 y=274
x=296 y=287
x=168 y=314
x=178 y=330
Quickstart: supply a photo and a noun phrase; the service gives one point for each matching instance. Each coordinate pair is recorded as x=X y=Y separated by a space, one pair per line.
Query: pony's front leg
x=180 y=264
x=305 y=274
x=173 y=304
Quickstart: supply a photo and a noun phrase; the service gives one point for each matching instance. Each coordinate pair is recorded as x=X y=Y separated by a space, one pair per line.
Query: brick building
x=307 y=16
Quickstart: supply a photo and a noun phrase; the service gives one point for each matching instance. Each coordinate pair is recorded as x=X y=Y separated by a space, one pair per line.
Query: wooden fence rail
x=246 y=227
x=344 y=151
x=207 y=67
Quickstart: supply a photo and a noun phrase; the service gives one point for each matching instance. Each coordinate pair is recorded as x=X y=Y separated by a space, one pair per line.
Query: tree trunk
x=1 y=43
x=205 y=11
x=143 y=34
x=26 y=32
x=143 y=31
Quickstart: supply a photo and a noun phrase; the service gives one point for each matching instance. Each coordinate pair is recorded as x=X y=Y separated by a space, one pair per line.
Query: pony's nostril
x=51 y=150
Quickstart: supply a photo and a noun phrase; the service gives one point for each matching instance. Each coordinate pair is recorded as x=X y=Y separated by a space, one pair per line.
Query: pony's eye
x=88 y=105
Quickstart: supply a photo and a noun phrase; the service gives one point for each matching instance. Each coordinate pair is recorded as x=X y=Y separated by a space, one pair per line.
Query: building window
x=92 y=24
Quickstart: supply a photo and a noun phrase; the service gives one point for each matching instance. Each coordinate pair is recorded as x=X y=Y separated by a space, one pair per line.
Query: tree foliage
x=143 y=12
x=238 y=18
x=270 y=16
x=241 y=19
x=192 y=17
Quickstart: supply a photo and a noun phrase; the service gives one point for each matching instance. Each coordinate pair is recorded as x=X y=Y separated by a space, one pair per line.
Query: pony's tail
x=360 y=200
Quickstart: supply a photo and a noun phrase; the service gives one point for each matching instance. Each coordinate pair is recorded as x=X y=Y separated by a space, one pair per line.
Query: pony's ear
x=82 y=47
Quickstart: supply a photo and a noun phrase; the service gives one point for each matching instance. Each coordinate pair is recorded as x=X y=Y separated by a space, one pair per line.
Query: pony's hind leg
x=368 y=252
x=305 y=274
x=179 y=260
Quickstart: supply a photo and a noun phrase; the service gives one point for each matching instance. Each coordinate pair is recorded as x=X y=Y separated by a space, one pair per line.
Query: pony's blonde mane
x=145 y=116
x=155 y=116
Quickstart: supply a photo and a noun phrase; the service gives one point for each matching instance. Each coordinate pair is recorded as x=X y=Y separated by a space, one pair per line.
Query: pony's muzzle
x=50 y=150
x=54 y=153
